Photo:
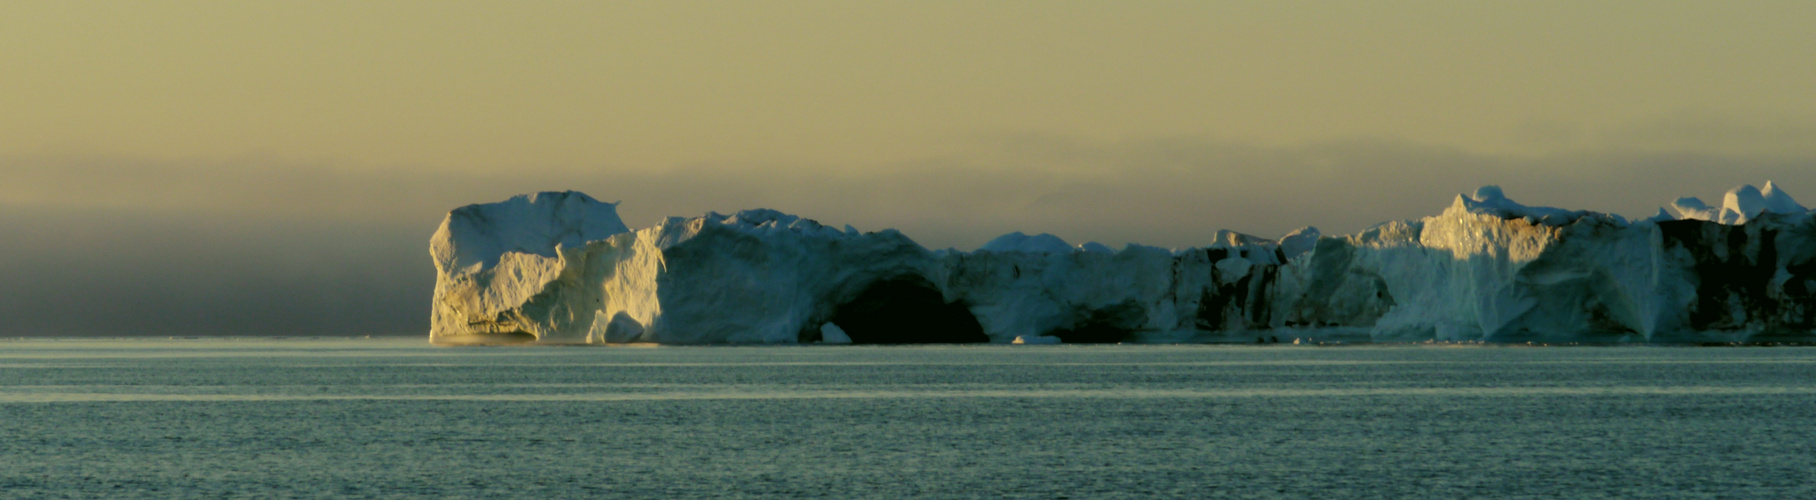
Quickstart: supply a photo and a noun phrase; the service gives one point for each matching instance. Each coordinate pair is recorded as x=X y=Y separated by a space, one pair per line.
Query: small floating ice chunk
x=1035 y=339
x=832 y=334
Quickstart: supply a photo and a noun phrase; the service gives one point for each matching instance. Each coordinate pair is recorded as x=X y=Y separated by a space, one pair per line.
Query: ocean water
x=396 y=417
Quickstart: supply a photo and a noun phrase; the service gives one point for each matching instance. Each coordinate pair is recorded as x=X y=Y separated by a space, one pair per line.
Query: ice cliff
x=562 y=268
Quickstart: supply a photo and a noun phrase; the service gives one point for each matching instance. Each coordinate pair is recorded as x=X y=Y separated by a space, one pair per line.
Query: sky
x=276 y=168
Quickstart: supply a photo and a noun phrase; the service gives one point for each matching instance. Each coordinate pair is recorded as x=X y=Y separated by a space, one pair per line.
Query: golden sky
x=276 y=167
x=481 y=86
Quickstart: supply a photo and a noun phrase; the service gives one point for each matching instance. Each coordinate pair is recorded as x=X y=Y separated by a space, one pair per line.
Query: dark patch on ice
x=906 y=310
x=1731 y=269
x=1213 y=307
x=1603 y=320
x=1239 y=305
x=1108 y=325
x=623 y=328
x=1735 y=268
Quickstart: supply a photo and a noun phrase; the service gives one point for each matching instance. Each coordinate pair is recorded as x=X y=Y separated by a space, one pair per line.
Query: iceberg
x=562 y=268
x=490 y=259
x=1740 y=205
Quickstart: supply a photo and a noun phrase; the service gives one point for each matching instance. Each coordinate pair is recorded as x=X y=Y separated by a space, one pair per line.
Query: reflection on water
x=30 y=395
x=397 y=417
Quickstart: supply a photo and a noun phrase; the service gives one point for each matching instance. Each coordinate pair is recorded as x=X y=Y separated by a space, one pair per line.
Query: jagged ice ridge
x=560 y=267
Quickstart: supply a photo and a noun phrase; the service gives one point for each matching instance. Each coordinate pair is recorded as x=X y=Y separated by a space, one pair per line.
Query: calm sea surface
x=303 y=417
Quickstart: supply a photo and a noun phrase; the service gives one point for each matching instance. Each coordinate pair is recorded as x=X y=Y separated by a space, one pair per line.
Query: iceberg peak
x=776 y=220
x=1779 y=202
x=1739 y=205
x=1299 y=241
x=537 y=223
x=1095 y=247
x=1232 y=239
x=1490 y=200
x=1489 y=194
x=1021 y=242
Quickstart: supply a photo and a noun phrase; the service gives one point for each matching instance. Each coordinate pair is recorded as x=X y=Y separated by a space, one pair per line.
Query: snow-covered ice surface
x=1740 y=205
x=492 y=258
x=399 y=418
x=561 y=268
x=1490 y=269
